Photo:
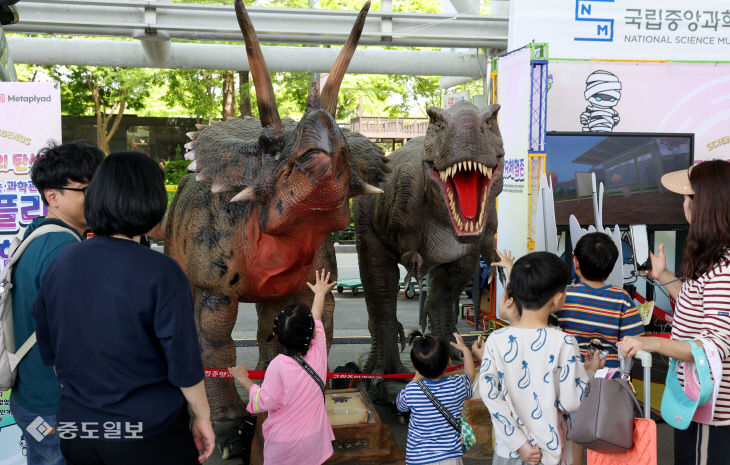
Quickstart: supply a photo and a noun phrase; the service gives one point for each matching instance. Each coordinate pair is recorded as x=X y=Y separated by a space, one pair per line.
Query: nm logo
x=599 y=28
x=2 y=98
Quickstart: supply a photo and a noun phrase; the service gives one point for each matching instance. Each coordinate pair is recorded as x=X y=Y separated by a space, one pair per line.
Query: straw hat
x=678 y=182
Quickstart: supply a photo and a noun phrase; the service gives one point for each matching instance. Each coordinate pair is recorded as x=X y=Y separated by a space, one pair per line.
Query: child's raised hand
x=321 y=282
x=506 y=260
x=530 y=454
x=240 y=374
x=459 y=344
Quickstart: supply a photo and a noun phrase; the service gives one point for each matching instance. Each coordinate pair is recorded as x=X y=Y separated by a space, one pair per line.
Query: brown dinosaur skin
x=231 y=254
x=253 y=224
x=411 y=224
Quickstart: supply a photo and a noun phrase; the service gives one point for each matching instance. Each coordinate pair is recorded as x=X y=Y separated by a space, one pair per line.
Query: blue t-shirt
x=36 y=388
x=116 y=320
x=431 y=438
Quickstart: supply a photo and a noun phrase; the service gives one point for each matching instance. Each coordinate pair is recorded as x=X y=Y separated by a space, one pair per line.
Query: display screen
x=630 y=167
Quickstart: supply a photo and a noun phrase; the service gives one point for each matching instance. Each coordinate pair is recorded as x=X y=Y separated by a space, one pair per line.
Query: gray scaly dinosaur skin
x=426 y=224
x=255 y=222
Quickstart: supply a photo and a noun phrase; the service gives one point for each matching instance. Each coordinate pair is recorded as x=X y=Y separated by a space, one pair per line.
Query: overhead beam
x=131 y=54
x=203 y=22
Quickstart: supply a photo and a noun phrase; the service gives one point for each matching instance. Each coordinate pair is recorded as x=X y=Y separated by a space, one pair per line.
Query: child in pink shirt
x=297 y=430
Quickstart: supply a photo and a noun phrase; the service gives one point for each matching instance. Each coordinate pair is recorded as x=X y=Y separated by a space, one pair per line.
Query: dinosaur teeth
x=190 y=155
x=489 y=173
x=469 y=164
x=443 y=176
x=482 y=169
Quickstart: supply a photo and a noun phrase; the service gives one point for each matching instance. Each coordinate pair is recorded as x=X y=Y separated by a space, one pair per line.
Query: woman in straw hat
x=702 y=313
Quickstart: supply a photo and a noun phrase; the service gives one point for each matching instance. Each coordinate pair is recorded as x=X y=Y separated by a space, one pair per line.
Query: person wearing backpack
x=61 y=174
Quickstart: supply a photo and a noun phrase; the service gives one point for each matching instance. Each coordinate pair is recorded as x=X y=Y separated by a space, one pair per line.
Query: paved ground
x=351 y=320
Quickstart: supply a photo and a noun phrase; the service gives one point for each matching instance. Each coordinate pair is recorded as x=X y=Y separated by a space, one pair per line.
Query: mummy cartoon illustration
x=603 y=91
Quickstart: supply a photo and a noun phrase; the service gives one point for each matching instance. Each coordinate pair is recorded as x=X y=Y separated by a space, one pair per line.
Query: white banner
x=596 y=96
x=30 y=118
x=513 y=205
x=690 y=30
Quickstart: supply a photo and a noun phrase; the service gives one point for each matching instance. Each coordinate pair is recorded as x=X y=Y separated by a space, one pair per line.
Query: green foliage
x=170 y=196
x=175 y=170
x=196 y=92
x=114 y=83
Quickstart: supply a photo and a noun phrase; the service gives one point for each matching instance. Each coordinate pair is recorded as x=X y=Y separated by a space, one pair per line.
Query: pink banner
x=602 y=96
x=30 y=118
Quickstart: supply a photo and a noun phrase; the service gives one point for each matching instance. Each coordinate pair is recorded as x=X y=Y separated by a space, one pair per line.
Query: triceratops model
x=254 y=223
x=437 y=215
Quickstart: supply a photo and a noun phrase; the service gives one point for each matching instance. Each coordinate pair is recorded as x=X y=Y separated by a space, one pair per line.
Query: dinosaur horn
x=334 y=80
x=262 y=81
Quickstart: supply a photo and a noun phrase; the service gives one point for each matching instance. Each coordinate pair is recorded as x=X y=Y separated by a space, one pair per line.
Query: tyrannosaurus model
x=254 y=223
x=437 y=215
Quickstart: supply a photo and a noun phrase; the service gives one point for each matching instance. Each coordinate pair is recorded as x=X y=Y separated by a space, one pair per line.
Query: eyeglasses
x=77 y=189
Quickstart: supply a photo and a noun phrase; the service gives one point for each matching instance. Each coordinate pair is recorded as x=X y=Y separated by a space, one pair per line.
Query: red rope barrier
x=259 y=374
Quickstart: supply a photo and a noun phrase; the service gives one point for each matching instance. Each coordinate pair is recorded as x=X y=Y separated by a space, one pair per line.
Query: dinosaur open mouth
x=465 y=188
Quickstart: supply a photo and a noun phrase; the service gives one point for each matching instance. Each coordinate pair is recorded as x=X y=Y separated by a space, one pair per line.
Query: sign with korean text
x=513 y=204
x=30 y=119
x=697 y=30
x=513 y=89
x=607 y=96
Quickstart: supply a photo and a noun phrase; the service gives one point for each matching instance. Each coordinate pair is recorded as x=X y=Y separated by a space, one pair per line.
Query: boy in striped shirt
x=594 y=310
x=431 y=437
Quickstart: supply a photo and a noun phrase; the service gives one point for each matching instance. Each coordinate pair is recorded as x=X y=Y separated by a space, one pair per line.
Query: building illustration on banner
x=603 y=91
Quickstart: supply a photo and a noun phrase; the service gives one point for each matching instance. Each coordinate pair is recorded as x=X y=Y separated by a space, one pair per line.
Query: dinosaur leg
x=446 y=283
x=215 y=317
x=268 y=348
x=379 y=274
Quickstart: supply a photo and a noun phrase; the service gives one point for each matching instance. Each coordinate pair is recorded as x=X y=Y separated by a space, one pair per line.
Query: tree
x=229 y=95
x=244 y=94
x=103 y=92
